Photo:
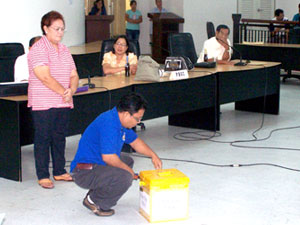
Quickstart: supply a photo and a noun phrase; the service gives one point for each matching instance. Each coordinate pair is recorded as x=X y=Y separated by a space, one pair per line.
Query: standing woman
x=53 y=80
x=98 y=8
x=133 y=18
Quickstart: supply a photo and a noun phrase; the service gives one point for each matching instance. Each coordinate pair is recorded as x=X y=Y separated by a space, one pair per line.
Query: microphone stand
x=240 y=63
x=91 y=85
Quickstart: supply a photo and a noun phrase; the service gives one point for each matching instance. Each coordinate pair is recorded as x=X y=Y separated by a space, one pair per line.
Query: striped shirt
x=111 y=59
x=61 y=64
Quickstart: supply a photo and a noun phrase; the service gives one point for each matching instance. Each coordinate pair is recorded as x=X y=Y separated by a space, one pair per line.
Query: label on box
x=169 y=204
x=145 y=202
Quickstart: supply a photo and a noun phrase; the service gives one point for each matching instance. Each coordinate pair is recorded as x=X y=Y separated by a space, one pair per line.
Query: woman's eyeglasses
x=120 y=44
x=57 y=29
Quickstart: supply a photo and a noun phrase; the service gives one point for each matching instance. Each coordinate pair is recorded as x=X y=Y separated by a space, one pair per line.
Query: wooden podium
x=97 y=28
x=163 y=25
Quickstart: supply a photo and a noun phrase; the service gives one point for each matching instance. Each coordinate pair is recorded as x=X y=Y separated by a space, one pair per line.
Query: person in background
x=99 y=164
x=133 y=18
x=53 y=80
x=98 y=8
x=21 y=72
x=157 y=9
x=280 y=34
x=217 y=48
x=296 y=17
x=279 y=15
x=114 y=62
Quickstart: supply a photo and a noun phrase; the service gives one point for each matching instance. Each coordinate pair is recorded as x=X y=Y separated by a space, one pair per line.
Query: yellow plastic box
x=164 y=195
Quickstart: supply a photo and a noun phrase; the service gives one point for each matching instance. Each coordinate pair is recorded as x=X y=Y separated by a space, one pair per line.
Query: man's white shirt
x=214 y=50
x=21 y=68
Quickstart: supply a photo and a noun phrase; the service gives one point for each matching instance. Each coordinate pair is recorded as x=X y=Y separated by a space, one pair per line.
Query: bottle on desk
x=205 y=58
x=127 y=68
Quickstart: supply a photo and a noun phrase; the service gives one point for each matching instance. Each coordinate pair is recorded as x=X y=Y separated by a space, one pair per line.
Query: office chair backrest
x=8 y=55
x=182 y=44
x=210 y=29
x=294 y=36
x=7 y=68
x=107 y=46
x=11 y=49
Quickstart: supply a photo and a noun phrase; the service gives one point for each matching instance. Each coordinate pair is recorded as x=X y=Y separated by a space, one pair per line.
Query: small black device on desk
x=206 y=64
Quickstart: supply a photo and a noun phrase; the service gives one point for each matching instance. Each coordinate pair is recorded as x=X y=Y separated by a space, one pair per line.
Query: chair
x=210 y=29
x=11 y=49
x=182 y=44
x=107 y=46
x=8 y=55
x=294 y=38
x=7 y=68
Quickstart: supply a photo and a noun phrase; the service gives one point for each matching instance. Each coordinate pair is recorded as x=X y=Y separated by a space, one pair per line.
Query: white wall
x=20 y=19
x=197 y=13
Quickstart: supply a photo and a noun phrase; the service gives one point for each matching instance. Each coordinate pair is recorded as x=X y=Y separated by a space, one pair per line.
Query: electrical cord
x=221 y=165
x=109 y=96
x=197 y=136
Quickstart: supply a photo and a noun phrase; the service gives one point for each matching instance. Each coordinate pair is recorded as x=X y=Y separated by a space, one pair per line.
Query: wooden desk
x=287 y=54
x=194 y=102
x=86 y=57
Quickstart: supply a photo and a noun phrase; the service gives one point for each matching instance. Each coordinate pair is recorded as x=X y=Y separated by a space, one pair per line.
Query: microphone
x=240 y=63
x=91 y=85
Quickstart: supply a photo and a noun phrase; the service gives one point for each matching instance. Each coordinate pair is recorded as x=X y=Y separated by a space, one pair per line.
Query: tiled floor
x=257 y=195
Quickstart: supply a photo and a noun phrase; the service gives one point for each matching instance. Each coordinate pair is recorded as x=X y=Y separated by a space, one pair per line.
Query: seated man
x=279 y=15
x=99 y=164
x=21 y=72
x=280 y=34
x=296 y=17
x=217 y=48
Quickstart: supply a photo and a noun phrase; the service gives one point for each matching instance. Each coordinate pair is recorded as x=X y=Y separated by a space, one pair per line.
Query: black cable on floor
x=222 y=165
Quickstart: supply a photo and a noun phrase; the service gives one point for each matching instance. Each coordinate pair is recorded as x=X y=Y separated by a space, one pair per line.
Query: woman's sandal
x=63 y=177
x=46 y=183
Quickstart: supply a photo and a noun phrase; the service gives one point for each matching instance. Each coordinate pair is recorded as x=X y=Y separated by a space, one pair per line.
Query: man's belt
x=84 y=166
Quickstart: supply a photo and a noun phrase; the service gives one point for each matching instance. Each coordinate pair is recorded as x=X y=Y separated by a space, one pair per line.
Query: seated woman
x=98 y=8
x=114 y=62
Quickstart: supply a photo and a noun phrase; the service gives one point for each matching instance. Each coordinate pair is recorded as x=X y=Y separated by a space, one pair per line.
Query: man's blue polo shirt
x=105 y=135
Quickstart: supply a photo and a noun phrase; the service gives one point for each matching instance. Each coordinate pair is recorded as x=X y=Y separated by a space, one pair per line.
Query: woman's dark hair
x=127 y=43
x=132 y=2
x=131 y=103
x=223 y=26
x=95 y=4
x=49 y=18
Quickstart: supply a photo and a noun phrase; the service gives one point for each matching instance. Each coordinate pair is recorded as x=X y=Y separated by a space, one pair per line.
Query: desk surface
x=231 y=68
x=277 y=45
x=112 y=82
x=87 y=48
